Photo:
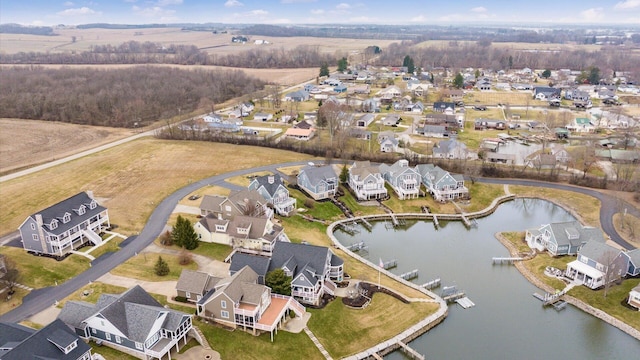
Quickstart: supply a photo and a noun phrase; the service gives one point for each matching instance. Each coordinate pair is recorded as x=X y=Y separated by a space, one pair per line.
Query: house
x=634 y=297
x=272 y=188
x=597 y=264
x=541 y=161
x=404 y=180
x=239 y=301
x=582 y=125
x=483 y=84
x=391 y=120
x=366 y=181
x=53 y=342
x=545 y=93
x=444 y=107
x=576 y=94
x=365 y=120
x=313 y=269
x=565 y=238
x=244 y=233
x=340 y=88
x=450 y=149
x=439 y=131
x=297 y=96
x=560 y=152
x=371 y=105
x=299 y=134
x=361 y=134
x=318 y=182
x=212 y=118
x=441 y=184
x=633 y=257
x=240 y=202
x=133 y=321
x=485 y=124
x=450 y=121
x=65 y=226
x=261 y=116
x=389 y=144
x=417 y=107
x=390 y=92
x=193 y=285
x=454 y=94
x=520 y=87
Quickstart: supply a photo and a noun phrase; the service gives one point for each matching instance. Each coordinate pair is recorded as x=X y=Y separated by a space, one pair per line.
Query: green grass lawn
x=517 y=238
x=213 y=251
x=612 y=304
x=344 y=331
x=240 y=345
x=112 y=246
x=141 y=267
x=541 y=261
x=299 y=229
x=321 y=209
x=482 y=195
x=358 y=209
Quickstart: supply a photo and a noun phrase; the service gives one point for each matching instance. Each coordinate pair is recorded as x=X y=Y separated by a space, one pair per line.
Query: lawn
x=517 y=238
x=211 y=250
x=240 y=345
x=207 y=190
x=110 y=353
x=541 y=261
x=612 y=303
x=94 y=290
x=630 y=229
x=245 y=180
x=344 y=331
x=321 y=209
x=355 y=206
x=482 y=195
x=16 y=300
x=111 y=246
x=473 y=138
x=141 y=267
x=39 y=271
x=299 y=229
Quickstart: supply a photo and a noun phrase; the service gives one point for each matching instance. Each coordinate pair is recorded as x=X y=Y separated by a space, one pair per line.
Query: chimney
x=90 y=194
x=271 y=179
x=39 y=219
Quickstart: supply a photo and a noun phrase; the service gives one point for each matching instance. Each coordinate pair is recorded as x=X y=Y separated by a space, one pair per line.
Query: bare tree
x=613 y=269
x=10 y=275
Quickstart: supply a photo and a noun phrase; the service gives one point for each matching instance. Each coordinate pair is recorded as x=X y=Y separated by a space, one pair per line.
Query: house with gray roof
x=633 y=257
x=272 y=188
x=297 y=96
x=597 y=264
x=53 y=342
x=193 y=285
x=65 y=226
x=565 y=238
x=239 y=301
x=133 y=321
x=442 y=185
x=404 y=180
x=365 y=120
x=319 y=182
x=313 y=269
x=389 y=145
x=366 y=181
x=243 y=202
x=634 y=297
x=450 y=149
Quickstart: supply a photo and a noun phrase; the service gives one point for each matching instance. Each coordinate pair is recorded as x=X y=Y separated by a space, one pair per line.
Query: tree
x=11 y=274
x=409 y=64
x=279 y=282
x=161 y=267
x=546 y=74
x=477 y=73
x=344 y=174
x=458 y=82
x=594 y=75
x=184 y=235
x=342 y=64
x=324 y=69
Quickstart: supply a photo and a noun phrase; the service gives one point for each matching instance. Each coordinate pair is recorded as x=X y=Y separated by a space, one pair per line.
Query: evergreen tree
x=184 y=235
x=278 y=281
x=546 y=73
x=342 y=64
x=458 y=81
x=324 y=69
x=409 y=64
x=344 y=174
x=161 y=268
x=594 y=75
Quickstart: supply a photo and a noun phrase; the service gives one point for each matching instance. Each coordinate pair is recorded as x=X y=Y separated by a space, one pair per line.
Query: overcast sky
x=72 y=12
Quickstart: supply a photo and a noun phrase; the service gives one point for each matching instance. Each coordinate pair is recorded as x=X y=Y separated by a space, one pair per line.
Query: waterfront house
x=633 y=257
x=404 y=180
x=65 y=226
x=366 y=181
x=239 y=301
x=634 y=297
x=597 y=264
x=441 y=184
x=193 y=285
x=133 y=321
x=313 y=269
x=53 y=342
x=242 y=202
x=272 y=188
x=319 y=182
x=565 y=238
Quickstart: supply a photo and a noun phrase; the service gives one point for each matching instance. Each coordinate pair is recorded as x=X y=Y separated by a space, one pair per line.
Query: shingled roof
x=69 y=205
x=45 y=343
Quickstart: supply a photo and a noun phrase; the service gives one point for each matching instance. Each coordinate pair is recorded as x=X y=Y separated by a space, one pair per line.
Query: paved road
x=40 y=299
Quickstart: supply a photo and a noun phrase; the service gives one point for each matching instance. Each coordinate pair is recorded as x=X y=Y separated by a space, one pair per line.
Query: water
x=507 y=321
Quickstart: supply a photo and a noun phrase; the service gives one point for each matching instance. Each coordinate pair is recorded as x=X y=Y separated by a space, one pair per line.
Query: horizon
x=544 y=13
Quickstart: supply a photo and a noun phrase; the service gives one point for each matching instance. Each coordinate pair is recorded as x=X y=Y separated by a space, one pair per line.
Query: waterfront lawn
x=517 y=239
x=357 y=209
x=40 y=271
x=240 y=345
x=482 y=195
x=541 y=261
x=299 y=229
x=613 y=303
x=344 y=331
x=141 y=267
x=325 y=210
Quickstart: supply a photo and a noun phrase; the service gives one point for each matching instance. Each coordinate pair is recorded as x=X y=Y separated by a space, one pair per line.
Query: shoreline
x=533 y=279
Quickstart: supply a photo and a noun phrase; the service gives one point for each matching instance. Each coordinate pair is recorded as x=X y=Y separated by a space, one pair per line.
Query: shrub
x=185 y=258
x=161 y=268
x=166 y=239
x=181 y=299
x=309 y=203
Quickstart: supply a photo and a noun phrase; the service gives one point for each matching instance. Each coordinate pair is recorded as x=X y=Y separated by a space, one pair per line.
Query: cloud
x=343 y=6
x=156 y=12
x=592 y=14
x=627 y=4
x=233 y=3
x=317 y=11
x=419 y=18
x=479 y=9
x=68 y=3
x=258 y=12
x=169 y=2
x=78 y=11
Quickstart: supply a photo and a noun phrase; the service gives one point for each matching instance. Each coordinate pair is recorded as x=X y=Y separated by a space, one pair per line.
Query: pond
x=507 y=321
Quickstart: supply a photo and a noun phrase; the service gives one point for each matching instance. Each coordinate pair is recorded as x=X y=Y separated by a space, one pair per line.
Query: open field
x=29 y=142
x=516 y=45
x=141 y=267
x=130 y=180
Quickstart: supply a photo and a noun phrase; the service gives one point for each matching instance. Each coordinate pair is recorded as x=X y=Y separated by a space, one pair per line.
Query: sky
x=425 y=12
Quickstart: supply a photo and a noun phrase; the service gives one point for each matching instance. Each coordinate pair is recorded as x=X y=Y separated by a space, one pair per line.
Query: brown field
x=30 y=142
x=518 y=46
x=130 y=179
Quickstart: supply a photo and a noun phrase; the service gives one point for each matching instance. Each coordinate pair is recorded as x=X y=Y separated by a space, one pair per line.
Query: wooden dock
x=431 y=284
x=376 y=356
x=390 y=264
x=394 y=220
x=505 y=260
x=366 y=224
x=435 y=222
x=465 y=302
x=410 y=275
x=410 y=352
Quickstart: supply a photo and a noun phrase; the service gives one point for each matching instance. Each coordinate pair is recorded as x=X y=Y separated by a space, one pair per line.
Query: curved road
x=40 y=299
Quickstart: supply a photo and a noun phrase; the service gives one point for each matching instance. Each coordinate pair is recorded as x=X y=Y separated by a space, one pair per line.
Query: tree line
x=128 y=97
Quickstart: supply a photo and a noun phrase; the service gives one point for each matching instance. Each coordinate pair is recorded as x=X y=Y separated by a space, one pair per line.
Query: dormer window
x=66 y=218
x=54 y=224
x=82 y=210
x=92 y=204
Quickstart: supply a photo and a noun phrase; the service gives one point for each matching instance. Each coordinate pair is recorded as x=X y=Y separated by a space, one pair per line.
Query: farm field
x=517 y=45
x=29 y=142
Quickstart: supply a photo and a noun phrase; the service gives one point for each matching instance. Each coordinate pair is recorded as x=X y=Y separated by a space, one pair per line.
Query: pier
x=350 y=228
x=435 y=222
x=451 y=293
x=410 y=275
x=465 y=302
x=410 y=352
x=366 y=224
x=505 y=260
x=358 y=246
x=431 y=284
x=390 y=264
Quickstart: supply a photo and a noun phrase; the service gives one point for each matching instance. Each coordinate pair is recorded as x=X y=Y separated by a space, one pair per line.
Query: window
x=35 y=237
x=92 y=205
x=66 y=218
x=224 y=314
x=223 y=304
x=54 y=224
x=93 y=331
x=107 y=336
x=187 y=295
x=33 y=226
x=82 y=210
x=139 y=346
x=118 y=339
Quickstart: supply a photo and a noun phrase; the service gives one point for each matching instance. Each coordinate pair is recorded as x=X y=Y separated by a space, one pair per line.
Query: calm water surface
x=507 y=321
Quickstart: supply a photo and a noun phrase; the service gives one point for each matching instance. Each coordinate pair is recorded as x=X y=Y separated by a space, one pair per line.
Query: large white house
x=404 y=180
x=366 y=181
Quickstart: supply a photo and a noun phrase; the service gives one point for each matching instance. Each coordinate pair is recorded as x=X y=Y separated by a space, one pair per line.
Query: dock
x=394 y=220
x=431 y=284
x=505 y=260
x=465 y=302
x=390 y=264
x=350 y=228
x=451 y=293
x=358 y=246
x=410 y=275
x=410 y=352
x=435 y=222
x=465 y=221
x=366 y=224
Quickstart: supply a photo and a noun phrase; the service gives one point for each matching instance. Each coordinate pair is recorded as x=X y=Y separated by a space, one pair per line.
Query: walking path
x=317 y=343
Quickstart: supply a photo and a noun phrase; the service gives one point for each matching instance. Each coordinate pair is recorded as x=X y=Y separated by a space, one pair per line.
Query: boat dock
x=366 y=224
x=410 y=352
x=505 y=260
x=358 y=246
x=410 y=275
x=390 y=264
x=465 y=302
x=451 y=293
x=431 y=284
x=350 y=228
x=435 y=222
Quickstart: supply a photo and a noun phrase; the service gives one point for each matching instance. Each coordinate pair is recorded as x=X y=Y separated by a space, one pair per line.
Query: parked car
x=480 y=107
